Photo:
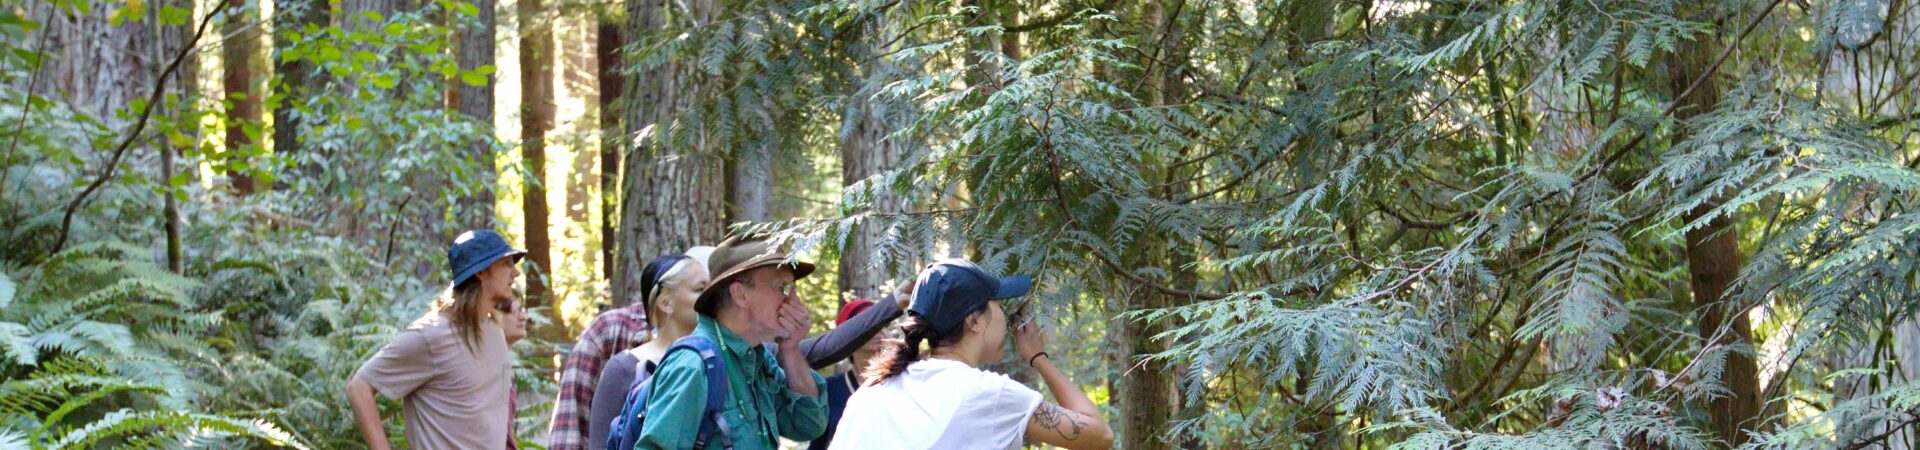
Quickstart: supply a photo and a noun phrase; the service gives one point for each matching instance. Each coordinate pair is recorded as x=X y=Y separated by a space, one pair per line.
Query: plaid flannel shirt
x=612 y=332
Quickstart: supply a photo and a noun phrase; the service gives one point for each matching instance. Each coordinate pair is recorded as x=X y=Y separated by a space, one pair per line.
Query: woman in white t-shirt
x=941 y=400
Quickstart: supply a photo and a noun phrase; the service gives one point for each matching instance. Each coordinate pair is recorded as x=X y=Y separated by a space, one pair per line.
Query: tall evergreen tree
x=536 y=118
x=238 y=56
x=475 y=101
x=673 y=184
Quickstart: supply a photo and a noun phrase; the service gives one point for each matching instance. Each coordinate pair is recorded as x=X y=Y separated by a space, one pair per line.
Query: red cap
x=851 y=309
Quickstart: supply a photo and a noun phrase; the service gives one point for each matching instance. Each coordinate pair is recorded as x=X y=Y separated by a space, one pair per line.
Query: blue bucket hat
x=953 y=289
x=474 y=251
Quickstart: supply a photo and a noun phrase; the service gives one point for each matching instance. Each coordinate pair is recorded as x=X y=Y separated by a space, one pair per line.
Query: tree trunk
x=1180 y=253
x=98 y=69
x=866 y=151
x=298 y=79
x=536 y=117
x=1714 y=261
x=93 y=66
x=607 y=42
x=1147 y=398
x=353 y=13
x=1713 y=255
x=668 y=203
x=475 y=208
x=243 y=112
x=750 y=174
x=750 y=184
x=172 y=38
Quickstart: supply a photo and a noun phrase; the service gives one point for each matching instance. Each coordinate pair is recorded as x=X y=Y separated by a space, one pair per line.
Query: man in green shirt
x=751 y=301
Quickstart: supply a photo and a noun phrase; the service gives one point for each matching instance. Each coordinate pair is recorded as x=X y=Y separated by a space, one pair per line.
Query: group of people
x=715 y=355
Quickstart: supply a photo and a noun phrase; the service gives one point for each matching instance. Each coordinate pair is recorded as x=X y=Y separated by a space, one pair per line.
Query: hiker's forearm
x=799 y=374
x=366 y=414
x=839 y=343
x=1064 y=391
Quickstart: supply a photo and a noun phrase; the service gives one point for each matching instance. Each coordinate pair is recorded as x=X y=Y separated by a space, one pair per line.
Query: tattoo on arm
x=1054 y=418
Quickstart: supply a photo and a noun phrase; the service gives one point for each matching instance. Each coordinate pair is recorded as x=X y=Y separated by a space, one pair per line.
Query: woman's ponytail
x=894 y=359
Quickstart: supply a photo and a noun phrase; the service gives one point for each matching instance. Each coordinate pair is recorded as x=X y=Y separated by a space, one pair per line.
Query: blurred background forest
x=1302 y=224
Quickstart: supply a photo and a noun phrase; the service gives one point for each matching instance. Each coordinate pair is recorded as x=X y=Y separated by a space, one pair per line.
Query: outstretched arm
x=840 y=342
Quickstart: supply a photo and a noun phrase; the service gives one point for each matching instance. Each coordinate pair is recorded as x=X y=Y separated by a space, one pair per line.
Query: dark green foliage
x=1410 y=225
x=1447 y=225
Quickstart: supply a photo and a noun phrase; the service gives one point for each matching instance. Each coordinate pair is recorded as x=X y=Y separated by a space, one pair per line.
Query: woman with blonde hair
x=670 y=286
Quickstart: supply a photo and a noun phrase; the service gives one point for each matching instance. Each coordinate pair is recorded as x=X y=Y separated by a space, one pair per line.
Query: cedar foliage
x=1410 y=225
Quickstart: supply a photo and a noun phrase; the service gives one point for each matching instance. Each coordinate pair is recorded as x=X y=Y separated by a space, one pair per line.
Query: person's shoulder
x=418 y=339
x=1003 y=382
x=678 y=357
x=625 y=360
x=432 y=326
x=982 y=380
x=428 y=321
x=681 y=367
x=935 y=367
x=621 y=365
x=650 y=354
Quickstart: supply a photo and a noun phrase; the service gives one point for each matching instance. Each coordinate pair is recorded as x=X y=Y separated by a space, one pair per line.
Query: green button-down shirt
x=759 y=404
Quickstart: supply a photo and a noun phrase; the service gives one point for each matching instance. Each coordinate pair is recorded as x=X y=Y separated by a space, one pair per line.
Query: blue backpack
x=625 y=433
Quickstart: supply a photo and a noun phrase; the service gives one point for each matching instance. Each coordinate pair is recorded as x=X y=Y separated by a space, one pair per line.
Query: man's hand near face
x=794 y=322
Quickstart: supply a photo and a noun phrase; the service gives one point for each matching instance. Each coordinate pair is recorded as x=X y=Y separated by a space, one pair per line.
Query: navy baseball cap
x=475 y=250
x=953 y=289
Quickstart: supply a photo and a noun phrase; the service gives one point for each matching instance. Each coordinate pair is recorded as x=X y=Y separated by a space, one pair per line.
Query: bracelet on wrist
x=1036 y=357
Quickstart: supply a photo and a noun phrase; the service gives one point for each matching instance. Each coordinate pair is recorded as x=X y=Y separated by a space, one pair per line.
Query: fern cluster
x=278 y=297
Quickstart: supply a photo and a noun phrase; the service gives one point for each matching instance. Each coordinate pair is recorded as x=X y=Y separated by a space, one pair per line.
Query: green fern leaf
x=19 y=343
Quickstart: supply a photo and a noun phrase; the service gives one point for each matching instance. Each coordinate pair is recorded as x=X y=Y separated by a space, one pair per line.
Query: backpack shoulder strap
x=625 y=431
x=714 y=424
